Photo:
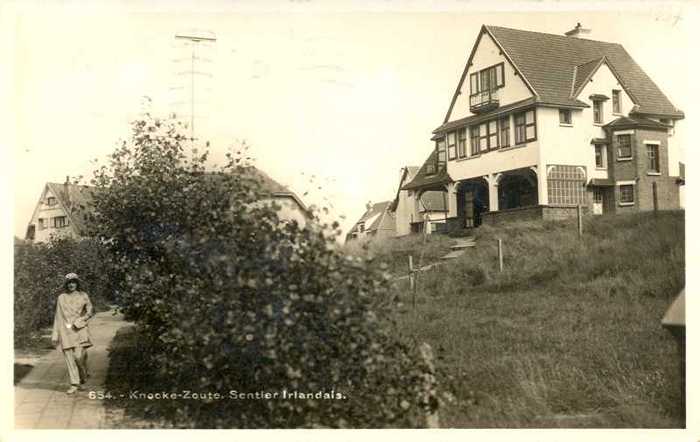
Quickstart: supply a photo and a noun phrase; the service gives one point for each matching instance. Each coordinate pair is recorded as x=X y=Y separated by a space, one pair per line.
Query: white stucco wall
x=404 y=209
x=43 y=210
x=488 y=54
x=571 y=145
x=289 y=209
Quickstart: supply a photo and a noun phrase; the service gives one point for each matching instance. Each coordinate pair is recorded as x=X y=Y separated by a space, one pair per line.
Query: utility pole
x=194 y=40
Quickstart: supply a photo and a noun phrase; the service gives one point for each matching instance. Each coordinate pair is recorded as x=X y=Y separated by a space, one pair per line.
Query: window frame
x=504 y=129
x=656 y=149
x=570 y=117
x=598 y=111
x=616 y=101
x=441 y=157
x=474 y=140
x=63 y=224
x=492 y=135
x=618 y=137
x=462 y=149
x=524 y=126
x=603 y=156
x=51 y=201
x=476 y=85
x=451 y=145
x=621 y=192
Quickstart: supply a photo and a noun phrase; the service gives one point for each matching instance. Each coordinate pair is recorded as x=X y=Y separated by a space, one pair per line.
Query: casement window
x=504 y=129
x=565 y=117
x=430 y=169
x=653 y=158
x=462 y=143
x=42 y=223
x=51 y=201
x=598 y=111
x=60 y=221
x=624 y=147
x=483 y=138
x=525 y=129
x=451 y=145
x=474 y=139
x=626 y=194
x=616 y=101
x=600 y=156
x=493 y=134
x=441 y=154
x=488 y=79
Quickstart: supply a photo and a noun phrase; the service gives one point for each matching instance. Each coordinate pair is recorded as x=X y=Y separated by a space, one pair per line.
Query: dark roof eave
x=680 y=115
x=528 y=102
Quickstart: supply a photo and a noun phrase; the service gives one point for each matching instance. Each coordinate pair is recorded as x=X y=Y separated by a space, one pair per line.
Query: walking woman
x=70 y=330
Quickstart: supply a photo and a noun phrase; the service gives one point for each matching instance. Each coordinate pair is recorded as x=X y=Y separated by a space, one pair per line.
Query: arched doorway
x=517 y=189
x=472 y=201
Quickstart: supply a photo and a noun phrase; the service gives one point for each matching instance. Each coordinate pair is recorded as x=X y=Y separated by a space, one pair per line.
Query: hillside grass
x=569 y=335
x=393 y=252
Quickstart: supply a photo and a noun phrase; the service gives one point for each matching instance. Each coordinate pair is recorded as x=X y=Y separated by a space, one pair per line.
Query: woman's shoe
x=72 y=389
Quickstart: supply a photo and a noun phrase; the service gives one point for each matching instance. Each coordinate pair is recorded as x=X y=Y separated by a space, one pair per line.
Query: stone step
x=463 y=244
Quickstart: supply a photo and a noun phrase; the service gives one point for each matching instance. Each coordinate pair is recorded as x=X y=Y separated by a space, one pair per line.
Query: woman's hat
x=71 y=276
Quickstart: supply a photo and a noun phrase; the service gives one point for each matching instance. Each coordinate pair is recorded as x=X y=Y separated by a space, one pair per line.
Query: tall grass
x=568 y=335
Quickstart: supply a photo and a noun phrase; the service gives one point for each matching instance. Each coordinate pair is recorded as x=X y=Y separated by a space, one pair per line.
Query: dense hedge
x=231 y=298
x=39 y=276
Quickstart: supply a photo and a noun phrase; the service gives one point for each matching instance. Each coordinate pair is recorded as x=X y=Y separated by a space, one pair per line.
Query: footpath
x=40 y=397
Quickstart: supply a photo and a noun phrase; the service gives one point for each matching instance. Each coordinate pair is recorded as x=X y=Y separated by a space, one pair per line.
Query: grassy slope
x=568 y=335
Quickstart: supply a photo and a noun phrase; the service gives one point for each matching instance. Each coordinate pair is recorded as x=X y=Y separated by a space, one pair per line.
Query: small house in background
x=291 y=207
x=378 y=221
x=61 y=207
x=59 y=212
x=427 y=200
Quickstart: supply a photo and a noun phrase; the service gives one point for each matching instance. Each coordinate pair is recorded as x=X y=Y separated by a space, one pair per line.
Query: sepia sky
x=345 y=94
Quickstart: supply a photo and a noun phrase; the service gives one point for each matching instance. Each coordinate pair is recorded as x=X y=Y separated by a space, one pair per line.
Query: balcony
x=483 y=101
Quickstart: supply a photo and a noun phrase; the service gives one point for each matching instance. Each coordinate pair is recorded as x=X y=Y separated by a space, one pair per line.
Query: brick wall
x=637 y=170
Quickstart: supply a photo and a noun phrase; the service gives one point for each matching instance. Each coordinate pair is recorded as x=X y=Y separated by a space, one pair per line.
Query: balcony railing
x=483 y=101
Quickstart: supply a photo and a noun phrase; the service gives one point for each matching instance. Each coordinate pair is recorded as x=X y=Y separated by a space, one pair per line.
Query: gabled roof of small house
x=635 y=122
x=76 y=201
x=433 y=201
x=373 y=216
x=423 y=179
x=269 y=186
x=556 y=67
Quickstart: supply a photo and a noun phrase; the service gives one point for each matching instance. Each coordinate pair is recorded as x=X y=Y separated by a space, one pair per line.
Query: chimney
x=578 y=31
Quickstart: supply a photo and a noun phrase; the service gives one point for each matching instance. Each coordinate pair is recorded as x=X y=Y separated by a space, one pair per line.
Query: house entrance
x=472 y=201
x=517 y=189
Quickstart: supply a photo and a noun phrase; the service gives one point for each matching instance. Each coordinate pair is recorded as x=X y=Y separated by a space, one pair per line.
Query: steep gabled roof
x=76 y=201
x=548 y=62
x=422 y=179
x=373 y=216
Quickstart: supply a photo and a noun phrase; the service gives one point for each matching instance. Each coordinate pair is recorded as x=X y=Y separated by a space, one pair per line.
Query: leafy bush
x=228 y=297
x=39 y=276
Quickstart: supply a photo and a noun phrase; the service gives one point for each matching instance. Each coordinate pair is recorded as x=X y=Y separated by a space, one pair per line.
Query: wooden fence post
x=579 y=220
x=500 y=255
x=412 y=281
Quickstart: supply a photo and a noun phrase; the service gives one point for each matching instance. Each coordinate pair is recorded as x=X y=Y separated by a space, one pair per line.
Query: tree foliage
x=39 y=275
x=230 y=297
